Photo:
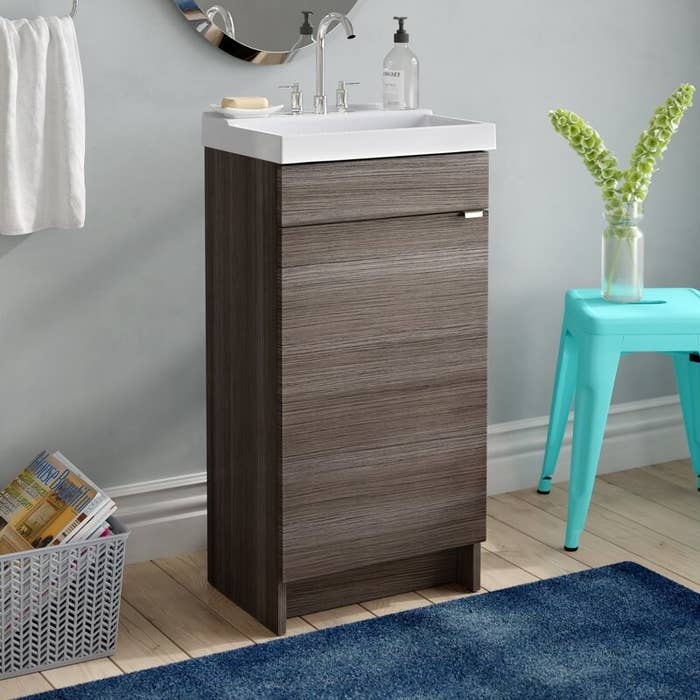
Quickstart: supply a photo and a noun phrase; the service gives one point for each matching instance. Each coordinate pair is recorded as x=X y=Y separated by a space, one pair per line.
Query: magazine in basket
x=51 y=502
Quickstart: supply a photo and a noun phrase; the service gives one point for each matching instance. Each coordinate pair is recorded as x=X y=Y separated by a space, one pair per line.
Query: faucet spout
x=320 y=102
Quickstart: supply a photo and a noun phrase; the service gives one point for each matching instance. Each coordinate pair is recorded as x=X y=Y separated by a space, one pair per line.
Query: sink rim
x=260 y=124
x=259 y=137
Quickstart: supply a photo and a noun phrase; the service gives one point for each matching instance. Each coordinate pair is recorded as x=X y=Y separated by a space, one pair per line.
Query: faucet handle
x=341 y=95
x=296 y=98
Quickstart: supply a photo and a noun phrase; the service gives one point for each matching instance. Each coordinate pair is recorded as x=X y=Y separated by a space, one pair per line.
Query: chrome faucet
x=320 y=102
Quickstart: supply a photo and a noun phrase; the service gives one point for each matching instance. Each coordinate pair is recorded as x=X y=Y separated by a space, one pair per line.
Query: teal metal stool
x=595 y=333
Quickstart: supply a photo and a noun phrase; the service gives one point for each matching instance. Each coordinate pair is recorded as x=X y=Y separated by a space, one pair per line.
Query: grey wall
x=103 y=329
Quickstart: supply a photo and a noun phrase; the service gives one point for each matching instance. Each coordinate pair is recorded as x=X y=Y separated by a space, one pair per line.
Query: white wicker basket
x=60 y=605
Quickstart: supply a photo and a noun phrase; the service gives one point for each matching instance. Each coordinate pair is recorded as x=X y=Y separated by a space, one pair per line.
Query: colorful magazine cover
x=43 y=503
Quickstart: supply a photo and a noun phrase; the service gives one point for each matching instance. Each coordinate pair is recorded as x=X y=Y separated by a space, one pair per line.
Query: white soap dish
x=232 y=113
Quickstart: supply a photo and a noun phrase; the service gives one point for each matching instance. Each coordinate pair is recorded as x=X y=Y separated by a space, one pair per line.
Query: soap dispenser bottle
x=401 y=73
x=306 y=36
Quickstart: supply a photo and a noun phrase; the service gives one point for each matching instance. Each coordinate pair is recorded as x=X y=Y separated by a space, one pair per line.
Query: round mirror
x=260 y=31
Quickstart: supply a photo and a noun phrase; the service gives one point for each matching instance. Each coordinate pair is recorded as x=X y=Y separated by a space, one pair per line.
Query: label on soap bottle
x=394 y=91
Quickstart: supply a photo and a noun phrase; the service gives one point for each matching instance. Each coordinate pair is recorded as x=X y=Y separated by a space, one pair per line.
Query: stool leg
x=563 y=393
x=688 y=380
x=597 y=366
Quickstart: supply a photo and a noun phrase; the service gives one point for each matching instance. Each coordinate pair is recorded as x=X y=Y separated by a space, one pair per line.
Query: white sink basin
x=351 y=136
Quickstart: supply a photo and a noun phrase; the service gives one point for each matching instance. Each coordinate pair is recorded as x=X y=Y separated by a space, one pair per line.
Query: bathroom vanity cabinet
x=346 y=378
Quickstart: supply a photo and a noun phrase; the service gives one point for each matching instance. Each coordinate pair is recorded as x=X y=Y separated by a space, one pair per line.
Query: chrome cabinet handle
x=475 y=214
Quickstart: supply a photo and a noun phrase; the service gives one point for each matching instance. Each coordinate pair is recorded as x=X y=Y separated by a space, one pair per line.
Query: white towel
x=42 y=126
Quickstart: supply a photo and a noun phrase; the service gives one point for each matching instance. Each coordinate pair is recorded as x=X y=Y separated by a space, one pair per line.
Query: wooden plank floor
x=170 y=613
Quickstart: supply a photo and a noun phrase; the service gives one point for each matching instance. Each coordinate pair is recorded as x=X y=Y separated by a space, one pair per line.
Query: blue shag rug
x=620 y=631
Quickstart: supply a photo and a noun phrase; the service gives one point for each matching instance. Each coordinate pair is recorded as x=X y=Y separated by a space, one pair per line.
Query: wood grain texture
x=648 y=512
x=189 y=570
x=527 y=553
x=316 y=193
x=195 y=628
x=414 y=277
x=498 y=573
x=396 y=603
x=94 y=670
x=383 y=391
x=646 y=484
x=346 y=369
x=243 y=379
x=141 y=644
x=678 y=472
x=372 y=582
x=526 y=514
x=367 y=506
x=30 y=684
x=344 y=615
x=447 y=592
x=628 y=535
x=469 y=567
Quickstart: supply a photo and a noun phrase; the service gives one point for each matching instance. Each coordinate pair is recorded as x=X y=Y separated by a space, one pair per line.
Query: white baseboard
x=637 y=434
x=168 y=516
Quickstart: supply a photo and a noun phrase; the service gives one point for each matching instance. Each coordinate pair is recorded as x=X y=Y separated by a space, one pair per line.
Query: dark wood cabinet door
x=383 y=329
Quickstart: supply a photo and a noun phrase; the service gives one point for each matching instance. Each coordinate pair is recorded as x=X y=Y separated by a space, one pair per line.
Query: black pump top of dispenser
x=306 y=29
x=401 y=36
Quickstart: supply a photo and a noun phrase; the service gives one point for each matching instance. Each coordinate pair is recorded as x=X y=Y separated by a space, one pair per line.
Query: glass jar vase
x=623 y=255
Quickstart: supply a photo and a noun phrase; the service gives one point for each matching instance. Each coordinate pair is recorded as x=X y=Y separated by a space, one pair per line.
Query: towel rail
x=74 y=9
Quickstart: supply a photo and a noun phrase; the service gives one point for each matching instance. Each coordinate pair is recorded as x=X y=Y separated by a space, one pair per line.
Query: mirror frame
x=209 y=31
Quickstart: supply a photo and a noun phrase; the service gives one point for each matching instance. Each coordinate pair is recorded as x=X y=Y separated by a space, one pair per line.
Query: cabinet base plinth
x=469 y=567
x=385 y=579
x=461 y=565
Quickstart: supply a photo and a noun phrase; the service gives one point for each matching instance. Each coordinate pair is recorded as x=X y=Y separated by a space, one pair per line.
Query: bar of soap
x=245 y=102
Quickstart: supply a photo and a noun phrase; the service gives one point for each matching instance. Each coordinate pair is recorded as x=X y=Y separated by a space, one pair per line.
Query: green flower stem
x=586 y=141
x=630 y=247
x=612 y=270
x=653 y=142
x=620 y=188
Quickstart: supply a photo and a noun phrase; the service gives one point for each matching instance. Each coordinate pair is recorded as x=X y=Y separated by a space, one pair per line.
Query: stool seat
x=595 y=334
x=673 y=311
